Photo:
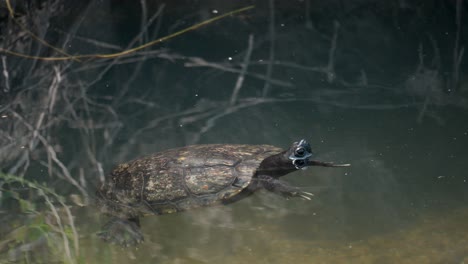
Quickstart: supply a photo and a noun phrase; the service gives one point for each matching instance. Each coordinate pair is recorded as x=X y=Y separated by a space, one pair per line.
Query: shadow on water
x=392 y=112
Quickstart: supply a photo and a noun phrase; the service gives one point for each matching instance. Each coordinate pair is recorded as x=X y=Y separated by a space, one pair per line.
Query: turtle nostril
x=299 y=163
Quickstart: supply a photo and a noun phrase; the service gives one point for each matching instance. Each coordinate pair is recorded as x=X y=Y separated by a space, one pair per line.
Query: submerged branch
x=240 y=79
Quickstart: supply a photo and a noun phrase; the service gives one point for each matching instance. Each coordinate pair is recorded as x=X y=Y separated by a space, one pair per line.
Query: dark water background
x=399 y=120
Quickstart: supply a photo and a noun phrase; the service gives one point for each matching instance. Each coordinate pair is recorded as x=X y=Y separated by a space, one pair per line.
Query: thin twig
x=71 y=223
x=132 y=50
x=34 y=36
x=436 y=61
x=309 y=24
x=53 y=155
x=456 y=51
x=427 y=93
x=115 y=59
x=59 y=222
x=199 y=62
x=144 y=18
x=294 y=65
x=92 y=157
x=53 y=89
x=6 y=89
x=423 y=110
x=363 y=80
x=266 y=87
x=250 y=102
x=331 y=75
x=156 y=122
x=245 y=66
x=23 y=161
x=94 y=42
x=71 y=32
x=141 y=38
x=421 y=64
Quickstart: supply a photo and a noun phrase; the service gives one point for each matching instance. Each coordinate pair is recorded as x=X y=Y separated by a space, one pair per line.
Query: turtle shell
x=181 y=179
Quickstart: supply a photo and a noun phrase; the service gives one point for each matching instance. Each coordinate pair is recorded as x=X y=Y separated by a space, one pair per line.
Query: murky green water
x=403 y=200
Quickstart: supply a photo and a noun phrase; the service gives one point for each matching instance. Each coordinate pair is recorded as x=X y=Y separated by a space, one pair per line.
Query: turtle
x=195 y=176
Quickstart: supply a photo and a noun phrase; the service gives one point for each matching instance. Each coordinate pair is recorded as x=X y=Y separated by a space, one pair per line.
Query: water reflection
x=177 y=239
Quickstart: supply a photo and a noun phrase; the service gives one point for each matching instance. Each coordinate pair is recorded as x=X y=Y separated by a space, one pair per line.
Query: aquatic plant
x=42 y=233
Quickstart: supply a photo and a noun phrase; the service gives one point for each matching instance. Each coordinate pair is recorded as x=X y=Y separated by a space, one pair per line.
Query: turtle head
x=298 y=156
x=301 y=156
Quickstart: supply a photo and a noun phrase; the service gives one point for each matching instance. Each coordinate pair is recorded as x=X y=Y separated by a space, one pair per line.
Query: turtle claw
x=122 y=232
x=305 y=195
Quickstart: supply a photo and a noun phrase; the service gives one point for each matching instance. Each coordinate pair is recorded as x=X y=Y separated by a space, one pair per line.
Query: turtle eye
x=299 y=152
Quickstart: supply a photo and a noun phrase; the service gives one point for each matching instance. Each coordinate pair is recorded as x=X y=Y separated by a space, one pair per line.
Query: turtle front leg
x=121 y=231
x=282 y=188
